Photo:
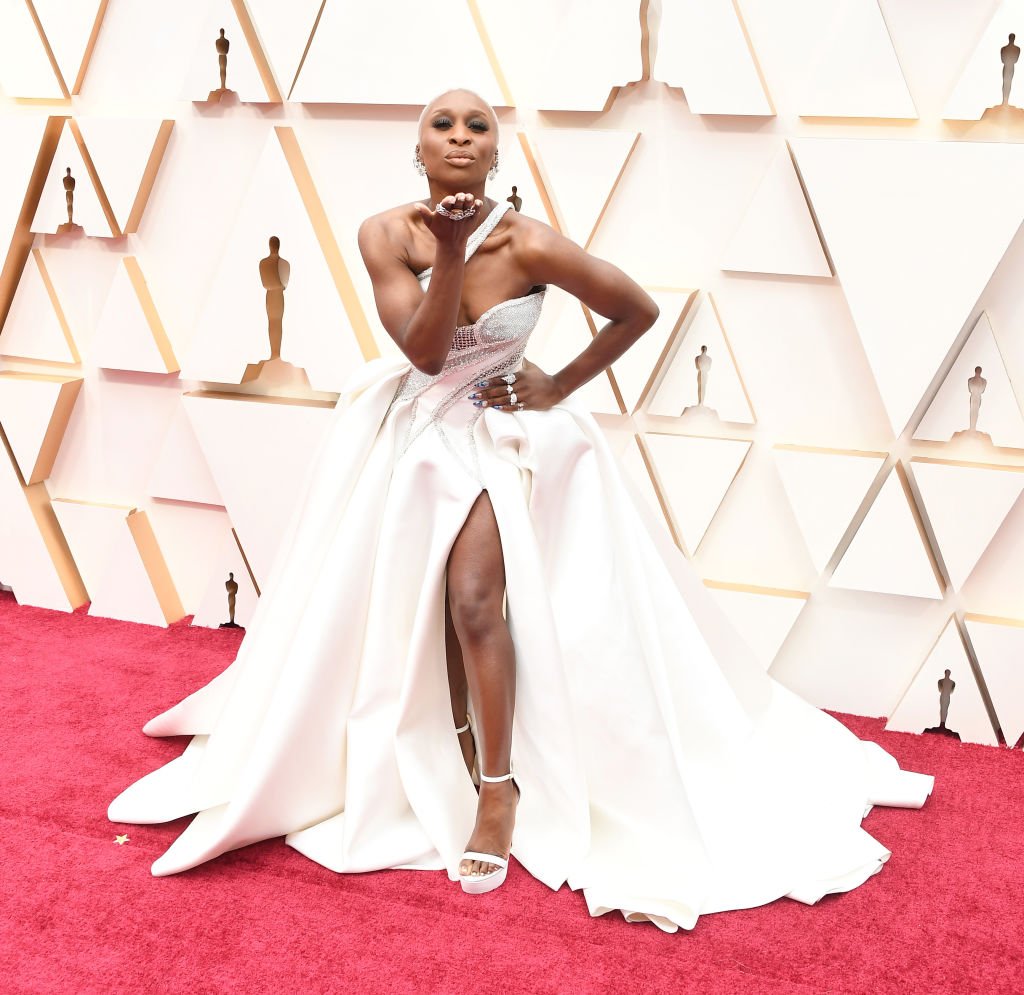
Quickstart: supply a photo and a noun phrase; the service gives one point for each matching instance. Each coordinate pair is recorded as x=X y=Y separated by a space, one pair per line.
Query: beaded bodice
x=494 y=332
x=492 y=346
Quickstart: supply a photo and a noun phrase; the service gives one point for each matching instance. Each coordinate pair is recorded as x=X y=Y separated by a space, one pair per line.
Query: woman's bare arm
x=422 y=325
x=548 y=257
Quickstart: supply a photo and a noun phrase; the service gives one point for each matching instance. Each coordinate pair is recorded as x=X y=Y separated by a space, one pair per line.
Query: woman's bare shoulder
x=393 y=227
x=393 y=221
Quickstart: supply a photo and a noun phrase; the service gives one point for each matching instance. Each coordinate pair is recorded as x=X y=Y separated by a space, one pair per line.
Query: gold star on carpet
x=121 y=840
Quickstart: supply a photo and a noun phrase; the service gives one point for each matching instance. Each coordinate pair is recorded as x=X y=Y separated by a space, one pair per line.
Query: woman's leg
x=476 y=590
x=457 y=685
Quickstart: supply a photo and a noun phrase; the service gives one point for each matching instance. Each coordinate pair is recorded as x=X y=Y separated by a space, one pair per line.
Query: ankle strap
x=503 y=777
x=464 y=728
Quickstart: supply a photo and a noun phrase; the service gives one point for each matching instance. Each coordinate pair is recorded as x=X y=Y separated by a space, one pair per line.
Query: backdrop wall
x=825 y=196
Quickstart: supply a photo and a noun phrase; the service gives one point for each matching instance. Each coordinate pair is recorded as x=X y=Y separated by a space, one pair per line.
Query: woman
x=465 y=527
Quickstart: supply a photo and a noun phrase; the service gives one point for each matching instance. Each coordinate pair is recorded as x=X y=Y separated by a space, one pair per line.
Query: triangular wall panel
x=36 y=327
x=694 y=475
x=919 y=708
x=965 y=506
x=980 y=84
x=915 y=229
x=888 y=553
x=724 y=393
x=581 y=168
x=777 y=233
x=824 y=491
x=703 y=48
x=999 y=413
x=855 y=72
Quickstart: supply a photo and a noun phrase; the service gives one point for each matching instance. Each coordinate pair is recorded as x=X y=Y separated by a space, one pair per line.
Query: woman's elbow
x=649 y=313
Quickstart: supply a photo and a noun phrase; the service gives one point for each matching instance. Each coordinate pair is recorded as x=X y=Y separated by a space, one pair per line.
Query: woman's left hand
x=533 y=387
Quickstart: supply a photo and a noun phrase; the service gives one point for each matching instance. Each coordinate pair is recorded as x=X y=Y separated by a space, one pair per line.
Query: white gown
x=661 y=770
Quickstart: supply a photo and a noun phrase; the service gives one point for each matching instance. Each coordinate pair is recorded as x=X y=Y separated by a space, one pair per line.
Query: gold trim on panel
x=829 y=451
x=611 y=191
x=252 y=39
x=58 y=310
x=155 y=565
x=994 y=619
x=814 y=219
x=90 y=45
x=732 y=356
x=753 y=59
x=156 y=326
x=229 y=395
x=538 y=179
x=328 y=244
x=40 y=506
x=295 y=79
x=57 y=424
x=923 y=529
x=97 y=183
x=659 y=493
x=46 y=48
x=971 y=464
x=156 y=156
x=245 y=559
x=492 y=57
x=669 y=348
x=16 y=255
x=775 y=592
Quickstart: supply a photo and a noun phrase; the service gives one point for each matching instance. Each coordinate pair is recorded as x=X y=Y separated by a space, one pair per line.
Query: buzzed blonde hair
x=449 y=89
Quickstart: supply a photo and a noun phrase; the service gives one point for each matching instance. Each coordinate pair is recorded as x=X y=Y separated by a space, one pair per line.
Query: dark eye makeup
x=443 y=119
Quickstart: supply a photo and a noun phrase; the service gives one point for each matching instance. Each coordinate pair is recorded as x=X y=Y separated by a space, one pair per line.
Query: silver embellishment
x=455 y=213
x=493 y=347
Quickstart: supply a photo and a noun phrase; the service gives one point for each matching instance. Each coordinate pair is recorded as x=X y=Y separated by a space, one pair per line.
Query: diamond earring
x=494 y=166
x=419 y=164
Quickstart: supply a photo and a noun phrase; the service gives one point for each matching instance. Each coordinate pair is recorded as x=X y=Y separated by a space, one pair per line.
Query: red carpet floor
x=83 y=914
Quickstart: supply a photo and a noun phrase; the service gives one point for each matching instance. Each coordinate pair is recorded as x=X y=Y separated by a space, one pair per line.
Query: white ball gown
x=662 y=771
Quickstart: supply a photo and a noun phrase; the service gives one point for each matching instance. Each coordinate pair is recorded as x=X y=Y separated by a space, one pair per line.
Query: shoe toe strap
x=487 y=858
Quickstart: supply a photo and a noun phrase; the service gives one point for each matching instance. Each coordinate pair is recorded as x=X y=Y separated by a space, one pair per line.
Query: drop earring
x=419 y=164
x=494 y=166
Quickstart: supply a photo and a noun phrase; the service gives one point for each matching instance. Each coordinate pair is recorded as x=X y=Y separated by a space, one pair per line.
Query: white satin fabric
x=662 y=771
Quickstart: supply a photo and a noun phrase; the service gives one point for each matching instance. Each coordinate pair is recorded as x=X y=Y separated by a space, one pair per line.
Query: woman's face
x=459 y=135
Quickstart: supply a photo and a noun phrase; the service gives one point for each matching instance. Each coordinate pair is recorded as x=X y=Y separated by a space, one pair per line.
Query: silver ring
x=456 y=214
x=521 y=405
x=509 y=378
x=512 y=398
x=508 y=387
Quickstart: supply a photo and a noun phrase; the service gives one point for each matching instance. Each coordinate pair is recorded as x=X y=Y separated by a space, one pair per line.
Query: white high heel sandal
x=475 y=772
x=478 y=884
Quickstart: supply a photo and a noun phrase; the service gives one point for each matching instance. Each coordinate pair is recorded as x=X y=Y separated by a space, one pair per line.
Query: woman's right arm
x=422 y=325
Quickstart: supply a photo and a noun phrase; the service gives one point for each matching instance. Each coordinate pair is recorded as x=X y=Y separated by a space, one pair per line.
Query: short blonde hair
x=451 y=89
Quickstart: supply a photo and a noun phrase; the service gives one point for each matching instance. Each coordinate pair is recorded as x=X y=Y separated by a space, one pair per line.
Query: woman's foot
x=495 y=819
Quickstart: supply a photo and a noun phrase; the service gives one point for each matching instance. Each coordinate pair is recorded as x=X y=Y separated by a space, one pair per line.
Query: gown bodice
x=495 y=340
x=492 y=346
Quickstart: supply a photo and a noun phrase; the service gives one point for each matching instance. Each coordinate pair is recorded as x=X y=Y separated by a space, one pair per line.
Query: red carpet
x=82 y=914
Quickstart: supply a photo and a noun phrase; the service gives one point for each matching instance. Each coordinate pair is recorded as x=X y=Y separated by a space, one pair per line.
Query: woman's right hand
x=449 y=234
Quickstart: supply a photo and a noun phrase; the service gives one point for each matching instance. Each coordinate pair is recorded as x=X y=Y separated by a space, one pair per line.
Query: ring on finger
x=456 y=214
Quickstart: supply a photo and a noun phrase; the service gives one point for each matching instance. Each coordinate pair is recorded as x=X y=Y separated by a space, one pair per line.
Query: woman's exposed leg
x=476 y=591
x=457 y=686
